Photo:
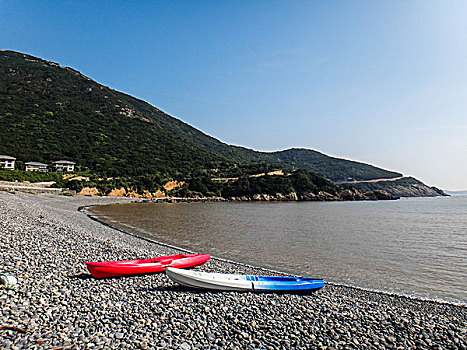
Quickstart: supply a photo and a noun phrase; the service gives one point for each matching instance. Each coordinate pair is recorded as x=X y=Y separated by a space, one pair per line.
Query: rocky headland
x=398 y=187
x=345 y=194
x=350 y=194
x=57 y=305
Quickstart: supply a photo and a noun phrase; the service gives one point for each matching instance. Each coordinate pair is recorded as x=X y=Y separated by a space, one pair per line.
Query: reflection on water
x=412 y=246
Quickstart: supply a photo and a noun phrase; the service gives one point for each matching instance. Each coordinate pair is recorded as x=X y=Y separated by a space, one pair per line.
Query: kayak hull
x=243 y=283
x=108 y=269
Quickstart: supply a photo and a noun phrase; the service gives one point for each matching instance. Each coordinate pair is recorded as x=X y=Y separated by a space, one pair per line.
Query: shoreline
x=44 y=239
x=98 y=219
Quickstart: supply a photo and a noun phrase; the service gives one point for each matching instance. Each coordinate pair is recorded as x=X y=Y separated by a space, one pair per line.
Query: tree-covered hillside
x=48 y=112
x=335 y=169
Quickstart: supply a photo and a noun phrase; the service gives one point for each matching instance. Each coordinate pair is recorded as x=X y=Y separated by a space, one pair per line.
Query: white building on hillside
x=7 y=162
x=36 y=166
x=64 y=165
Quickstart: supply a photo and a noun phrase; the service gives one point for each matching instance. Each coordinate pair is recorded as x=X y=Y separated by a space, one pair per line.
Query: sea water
x=414 y=246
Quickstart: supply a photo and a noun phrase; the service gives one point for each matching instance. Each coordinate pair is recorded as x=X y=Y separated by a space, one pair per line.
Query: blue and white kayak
x=243 y=283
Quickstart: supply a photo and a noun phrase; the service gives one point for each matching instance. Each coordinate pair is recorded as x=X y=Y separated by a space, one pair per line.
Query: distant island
x=124 y=146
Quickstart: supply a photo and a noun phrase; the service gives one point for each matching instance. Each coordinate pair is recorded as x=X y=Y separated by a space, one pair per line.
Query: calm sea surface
x=415 y=246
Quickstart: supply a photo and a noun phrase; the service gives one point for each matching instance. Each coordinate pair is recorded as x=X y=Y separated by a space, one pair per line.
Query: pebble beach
x=44 y=240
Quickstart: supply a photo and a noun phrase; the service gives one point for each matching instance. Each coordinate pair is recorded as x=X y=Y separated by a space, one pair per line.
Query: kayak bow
x=230 y=282
x=105 y=269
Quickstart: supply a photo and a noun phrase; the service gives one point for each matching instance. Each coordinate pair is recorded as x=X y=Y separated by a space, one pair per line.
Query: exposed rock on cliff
x=404 y=187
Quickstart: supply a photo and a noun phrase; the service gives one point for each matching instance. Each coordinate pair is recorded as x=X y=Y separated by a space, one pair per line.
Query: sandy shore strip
x=57 y=305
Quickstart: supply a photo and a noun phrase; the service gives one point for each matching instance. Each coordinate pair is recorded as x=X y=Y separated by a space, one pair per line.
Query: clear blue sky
x=383 y=82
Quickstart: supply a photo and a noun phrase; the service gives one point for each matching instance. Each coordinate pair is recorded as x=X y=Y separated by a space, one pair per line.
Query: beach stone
x=185 y=346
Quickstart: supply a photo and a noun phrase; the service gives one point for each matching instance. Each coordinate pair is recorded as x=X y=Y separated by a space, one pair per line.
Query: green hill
x=335 y=169
x=49 y=112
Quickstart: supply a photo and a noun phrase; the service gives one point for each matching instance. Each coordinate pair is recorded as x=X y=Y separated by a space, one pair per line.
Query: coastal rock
x=262 y=197
x=357 y=195
x=280 y=197
x=439 y=191
x=347 y=195
x=326 y=196
x=308 y=196
x=256 y=197
x=383 y=195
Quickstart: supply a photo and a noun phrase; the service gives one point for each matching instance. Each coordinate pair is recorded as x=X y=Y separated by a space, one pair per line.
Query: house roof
x=64 y=162
x=35 y=163
x=6 y=157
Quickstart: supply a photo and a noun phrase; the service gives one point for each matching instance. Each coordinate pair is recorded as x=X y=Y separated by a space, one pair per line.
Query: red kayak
x=104 y=269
